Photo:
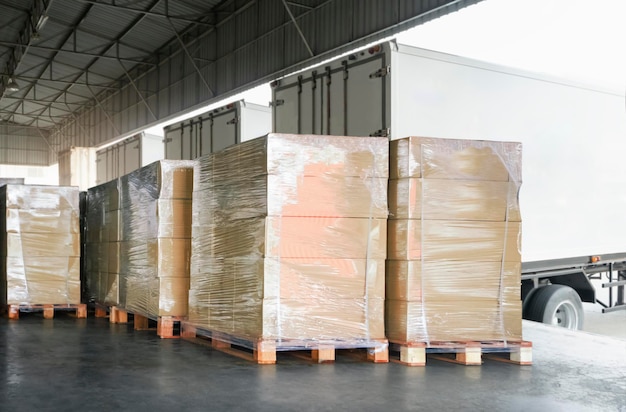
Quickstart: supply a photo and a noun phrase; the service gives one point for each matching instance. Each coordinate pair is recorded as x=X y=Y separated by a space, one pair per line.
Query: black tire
x=557 y=305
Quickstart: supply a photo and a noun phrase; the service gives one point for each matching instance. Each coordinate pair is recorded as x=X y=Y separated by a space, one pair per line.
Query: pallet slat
x=264 y=352
x=13 y=311
x=464 y=353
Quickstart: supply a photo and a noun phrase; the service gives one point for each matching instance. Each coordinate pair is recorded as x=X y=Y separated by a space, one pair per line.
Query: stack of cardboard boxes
x=156 y=238
x=289 y=240
x=39 y=245
x=102 y=244
x=453 y=272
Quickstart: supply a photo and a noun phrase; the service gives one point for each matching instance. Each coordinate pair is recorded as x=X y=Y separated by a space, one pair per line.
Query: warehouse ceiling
x=83 y=72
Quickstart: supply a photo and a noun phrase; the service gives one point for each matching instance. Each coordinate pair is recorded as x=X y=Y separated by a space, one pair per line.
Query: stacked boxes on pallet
x=156 y=238
x=39 y=245
x=289 y=241
x=453 y=272
x=102 y=244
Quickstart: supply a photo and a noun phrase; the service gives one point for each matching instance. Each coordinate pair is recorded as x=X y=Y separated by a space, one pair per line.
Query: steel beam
x=36 y=12
x=185 y=19
x=76 y=52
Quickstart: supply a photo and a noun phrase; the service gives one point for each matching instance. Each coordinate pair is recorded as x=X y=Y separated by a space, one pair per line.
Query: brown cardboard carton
x=112 y=226
x=38 y=269
x=283 y=237
x=42 y=220
x=35 y=197
x=448 y=279
x=174 y=218
x=454 y=240
x=109 y=289
x=177 y=182
x=113 y=254
x=42 y=244
x=298 y=196
x=173 y=296
x=465 y=320
x=51 y=292
x=434 y=199
x=327 y=280
x=173 y=256
x=455 y=159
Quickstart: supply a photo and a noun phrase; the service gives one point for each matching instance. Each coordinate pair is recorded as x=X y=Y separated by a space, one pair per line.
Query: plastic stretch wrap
x=103 y=236
x=155 y=223
x=289 y=241
x=39 y=245
x=454 y=239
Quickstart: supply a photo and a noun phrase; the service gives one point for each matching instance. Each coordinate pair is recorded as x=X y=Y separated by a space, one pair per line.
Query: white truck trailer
x=573 y=136
x=216 y=129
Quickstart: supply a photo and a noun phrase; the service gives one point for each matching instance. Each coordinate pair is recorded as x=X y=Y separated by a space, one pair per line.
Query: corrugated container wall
x=129 y=155
x=77 y=167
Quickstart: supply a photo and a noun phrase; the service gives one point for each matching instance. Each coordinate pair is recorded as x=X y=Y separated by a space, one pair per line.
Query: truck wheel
x=557 y=305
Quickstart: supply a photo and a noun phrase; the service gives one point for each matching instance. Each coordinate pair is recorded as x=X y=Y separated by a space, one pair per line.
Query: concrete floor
x=89 y=364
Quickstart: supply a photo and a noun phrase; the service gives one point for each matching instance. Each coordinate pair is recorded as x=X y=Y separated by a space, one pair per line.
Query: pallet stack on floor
x=156 y=243
x=288 y=246
x=102 y=245
x=453 y=274
x=40 y=250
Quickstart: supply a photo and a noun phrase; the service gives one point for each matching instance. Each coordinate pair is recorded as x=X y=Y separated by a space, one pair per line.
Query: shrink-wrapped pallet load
x=454 y=262
x=102 y=244
x=155 y=222
x=289 y=242
x=39 y=245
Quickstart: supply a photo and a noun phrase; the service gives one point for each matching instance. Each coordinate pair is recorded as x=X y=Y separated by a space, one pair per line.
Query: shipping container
x=572 y=136
x=128 y=155
x=216 y=129
x=77 y=167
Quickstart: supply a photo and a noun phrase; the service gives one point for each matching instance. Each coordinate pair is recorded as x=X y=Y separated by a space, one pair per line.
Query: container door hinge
x=381 y=133
x=382 y=72
x=277 y=102
x=234 y=120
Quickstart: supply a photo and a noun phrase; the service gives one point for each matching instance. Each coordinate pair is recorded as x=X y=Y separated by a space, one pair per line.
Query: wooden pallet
x=464 y=353
x=165 y=324
x=13 y=311
x=263 y=352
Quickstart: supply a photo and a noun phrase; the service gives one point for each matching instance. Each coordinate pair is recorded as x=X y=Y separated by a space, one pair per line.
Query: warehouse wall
x=252 y=42
x=32 y=175
x=24 y=146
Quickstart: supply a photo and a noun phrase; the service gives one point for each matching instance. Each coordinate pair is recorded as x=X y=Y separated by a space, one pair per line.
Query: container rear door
x=173 y=141
x=297 y=102
x=203 y=135
x=101 y=166
x=365 y=94
x=132 y=156
x=224 y=129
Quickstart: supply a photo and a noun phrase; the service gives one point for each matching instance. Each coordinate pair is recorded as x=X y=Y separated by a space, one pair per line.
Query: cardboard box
x=42 y=244
x=51 y=292
x=455 y=159
x=173 y=296
x=297 y=196
x=304 y=278
x=435 y=199
x=174 y=218
x=454 y=240
x=109 y=288
x=449 y=279
x=296 y=322
x=464 y=320
x=302 y=155
x=283 y=237
x=42 y=220
x=36 y=197
x=41 y=269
